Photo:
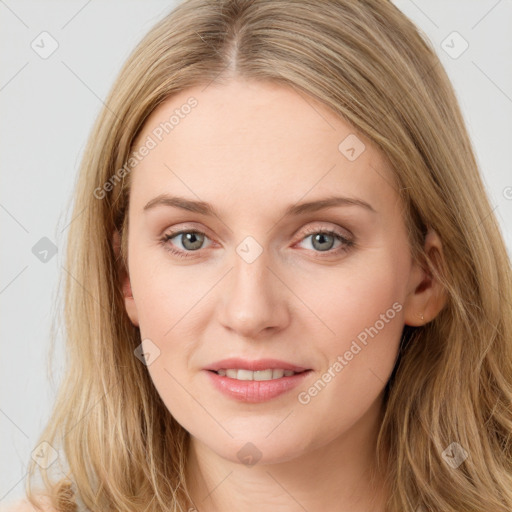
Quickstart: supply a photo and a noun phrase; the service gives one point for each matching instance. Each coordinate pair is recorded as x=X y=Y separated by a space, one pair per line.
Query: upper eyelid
x=319 y=225
x=335 y=230
x=308 y=231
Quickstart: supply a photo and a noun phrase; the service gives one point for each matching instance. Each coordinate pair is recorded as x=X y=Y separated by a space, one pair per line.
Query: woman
x=287 y=289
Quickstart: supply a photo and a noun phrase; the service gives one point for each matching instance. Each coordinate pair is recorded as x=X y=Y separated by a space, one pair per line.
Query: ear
x=129 y=302
x=426 y=296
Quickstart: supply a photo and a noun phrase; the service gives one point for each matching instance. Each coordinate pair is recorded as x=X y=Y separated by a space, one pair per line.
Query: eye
x=323 y=240
x=190 y=240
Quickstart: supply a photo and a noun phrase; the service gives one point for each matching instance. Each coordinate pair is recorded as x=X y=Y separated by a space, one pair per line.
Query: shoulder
x=26 y=506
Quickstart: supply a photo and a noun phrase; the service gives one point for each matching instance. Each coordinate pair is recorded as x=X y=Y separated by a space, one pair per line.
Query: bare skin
x=251 y=150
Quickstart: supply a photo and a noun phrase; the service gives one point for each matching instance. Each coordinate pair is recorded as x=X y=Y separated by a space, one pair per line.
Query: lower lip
x=255 y=391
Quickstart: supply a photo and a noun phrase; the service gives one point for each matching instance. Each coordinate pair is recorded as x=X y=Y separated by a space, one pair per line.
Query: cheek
x=349 y=298
x=164 y=294
x=167 y=300
x=360 y=308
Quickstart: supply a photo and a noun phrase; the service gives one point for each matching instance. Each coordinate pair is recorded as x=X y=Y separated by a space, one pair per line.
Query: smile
x=269 y=374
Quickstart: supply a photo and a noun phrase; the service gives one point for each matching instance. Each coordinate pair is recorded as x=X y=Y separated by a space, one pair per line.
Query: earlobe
x=427 y=297
x=129 y=302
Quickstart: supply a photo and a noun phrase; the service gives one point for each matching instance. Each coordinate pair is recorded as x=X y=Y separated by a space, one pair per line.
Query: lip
x=254 y=391
x=260 y=364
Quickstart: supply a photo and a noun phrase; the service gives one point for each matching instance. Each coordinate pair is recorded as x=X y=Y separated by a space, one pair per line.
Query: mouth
x=254 y=381
x=257 y=369
x=258 y=375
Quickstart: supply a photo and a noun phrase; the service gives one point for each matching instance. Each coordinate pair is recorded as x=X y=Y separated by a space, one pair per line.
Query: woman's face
x=321 y=289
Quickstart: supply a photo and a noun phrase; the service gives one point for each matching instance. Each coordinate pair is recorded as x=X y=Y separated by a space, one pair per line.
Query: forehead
x=256 y=141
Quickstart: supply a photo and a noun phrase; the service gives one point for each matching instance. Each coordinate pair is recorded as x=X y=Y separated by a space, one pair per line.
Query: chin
x=250 y=446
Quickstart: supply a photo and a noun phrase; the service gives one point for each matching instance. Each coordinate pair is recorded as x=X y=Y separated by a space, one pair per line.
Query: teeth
x=269 y=374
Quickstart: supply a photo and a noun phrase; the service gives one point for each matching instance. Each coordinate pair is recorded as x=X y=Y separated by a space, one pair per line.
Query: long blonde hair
x=121 y=449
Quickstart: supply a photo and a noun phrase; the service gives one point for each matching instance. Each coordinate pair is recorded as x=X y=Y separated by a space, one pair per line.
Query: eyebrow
x=204 y=208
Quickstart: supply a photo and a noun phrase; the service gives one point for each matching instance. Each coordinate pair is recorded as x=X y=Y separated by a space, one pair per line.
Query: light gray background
x=48 y=107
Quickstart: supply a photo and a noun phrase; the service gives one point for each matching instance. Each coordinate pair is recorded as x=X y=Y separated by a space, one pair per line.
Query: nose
x=254 y=300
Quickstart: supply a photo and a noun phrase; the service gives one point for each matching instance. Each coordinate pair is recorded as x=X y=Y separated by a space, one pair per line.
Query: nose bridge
x=254 y=301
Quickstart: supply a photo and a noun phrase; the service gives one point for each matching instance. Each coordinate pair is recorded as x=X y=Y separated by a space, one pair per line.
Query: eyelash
x=345 y=247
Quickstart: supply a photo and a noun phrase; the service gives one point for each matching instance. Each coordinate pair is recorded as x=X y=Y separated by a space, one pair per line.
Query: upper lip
x=260 y=364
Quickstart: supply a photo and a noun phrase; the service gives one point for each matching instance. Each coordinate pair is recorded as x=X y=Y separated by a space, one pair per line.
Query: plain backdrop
x=48 y=105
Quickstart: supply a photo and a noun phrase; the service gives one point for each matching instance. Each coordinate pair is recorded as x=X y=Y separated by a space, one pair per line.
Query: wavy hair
x=121 y=449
